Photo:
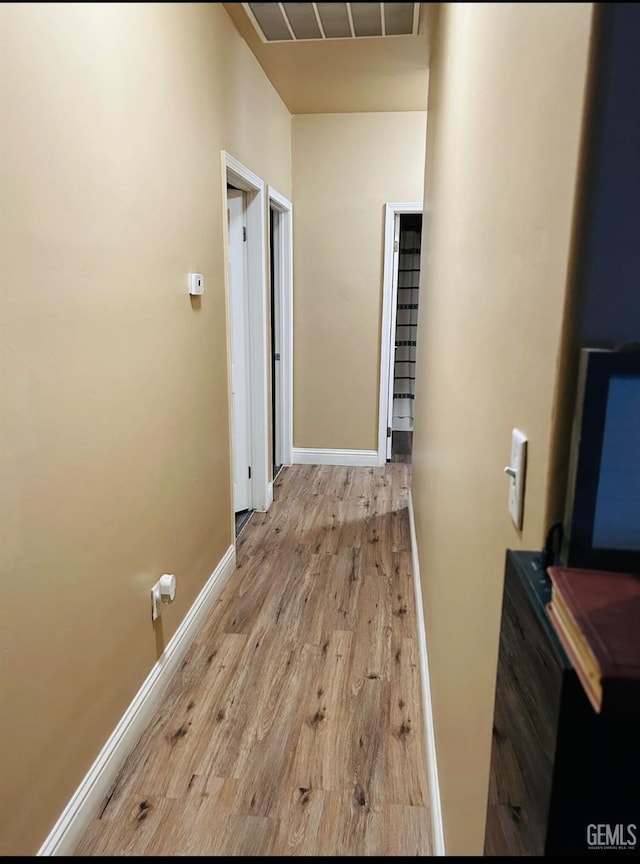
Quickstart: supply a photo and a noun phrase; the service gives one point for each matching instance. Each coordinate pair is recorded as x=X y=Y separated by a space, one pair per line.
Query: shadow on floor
x=242 y=517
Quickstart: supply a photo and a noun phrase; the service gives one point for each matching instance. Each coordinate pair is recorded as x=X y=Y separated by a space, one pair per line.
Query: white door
x=276 y=334
x=392 y=347
x=240 y=380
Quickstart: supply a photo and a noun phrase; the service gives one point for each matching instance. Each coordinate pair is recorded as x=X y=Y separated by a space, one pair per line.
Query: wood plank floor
x=293 y=726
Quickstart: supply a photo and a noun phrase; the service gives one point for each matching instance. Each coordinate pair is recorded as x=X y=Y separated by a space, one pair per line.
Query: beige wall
x=505 y=111
x=345 y=167
x=114 y=441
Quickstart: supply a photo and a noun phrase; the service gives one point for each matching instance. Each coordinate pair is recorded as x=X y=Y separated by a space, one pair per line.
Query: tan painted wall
x=114 y=441
x=345 y=167
x=505 y=111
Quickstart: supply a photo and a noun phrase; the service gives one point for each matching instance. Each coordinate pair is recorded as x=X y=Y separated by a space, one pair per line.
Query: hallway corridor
x=294 y=725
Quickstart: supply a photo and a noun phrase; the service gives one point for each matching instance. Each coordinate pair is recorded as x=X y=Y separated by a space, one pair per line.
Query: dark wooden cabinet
x=557 y=767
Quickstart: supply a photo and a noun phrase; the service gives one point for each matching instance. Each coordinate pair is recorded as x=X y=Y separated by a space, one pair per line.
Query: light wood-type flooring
x=294 y=725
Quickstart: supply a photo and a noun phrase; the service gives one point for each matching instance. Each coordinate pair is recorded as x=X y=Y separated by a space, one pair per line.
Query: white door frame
x=241 y=177
x=283 y=290
x=389 y=303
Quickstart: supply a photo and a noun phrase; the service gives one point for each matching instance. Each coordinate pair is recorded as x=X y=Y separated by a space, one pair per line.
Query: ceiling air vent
x=298 y=22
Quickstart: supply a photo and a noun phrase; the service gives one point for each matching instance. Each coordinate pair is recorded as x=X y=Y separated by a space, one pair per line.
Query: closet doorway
x=403 y=240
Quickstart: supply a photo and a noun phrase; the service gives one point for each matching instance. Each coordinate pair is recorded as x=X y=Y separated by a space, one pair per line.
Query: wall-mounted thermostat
x=196 y=283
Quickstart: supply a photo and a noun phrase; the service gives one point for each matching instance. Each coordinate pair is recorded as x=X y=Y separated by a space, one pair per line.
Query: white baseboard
x=356 y=458
x=81 y=809
x=432 y=765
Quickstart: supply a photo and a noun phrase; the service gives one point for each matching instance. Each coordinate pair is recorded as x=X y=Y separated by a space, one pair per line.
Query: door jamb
x=388 y=317
x=233 y=171
x=283 y=277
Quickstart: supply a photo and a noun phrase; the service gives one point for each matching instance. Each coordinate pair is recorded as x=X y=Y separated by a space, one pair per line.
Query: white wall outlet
x=516 y=470
x=164 y=591
x=196 y=283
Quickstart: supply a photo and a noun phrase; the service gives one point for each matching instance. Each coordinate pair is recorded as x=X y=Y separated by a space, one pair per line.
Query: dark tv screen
x=617 y=517
x=602 y=518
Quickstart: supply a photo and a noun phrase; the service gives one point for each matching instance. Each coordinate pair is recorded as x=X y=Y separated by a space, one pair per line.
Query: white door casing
x=281 y=208
x=242 y=178
x=388 y=338
x=392 y=345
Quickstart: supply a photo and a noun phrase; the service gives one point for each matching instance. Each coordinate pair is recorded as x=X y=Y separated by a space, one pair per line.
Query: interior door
x=239 y=322
x=392 y=347
x=276 y=336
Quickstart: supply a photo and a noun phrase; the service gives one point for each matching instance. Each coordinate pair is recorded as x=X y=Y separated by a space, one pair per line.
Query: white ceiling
x=351 y=74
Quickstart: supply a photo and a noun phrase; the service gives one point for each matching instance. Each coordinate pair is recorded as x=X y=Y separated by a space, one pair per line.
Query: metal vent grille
x=298 y=22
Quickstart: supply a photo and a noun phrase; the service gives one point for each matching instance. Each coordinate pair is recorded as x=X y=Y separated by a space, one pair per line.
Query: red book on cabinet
x=596 y=615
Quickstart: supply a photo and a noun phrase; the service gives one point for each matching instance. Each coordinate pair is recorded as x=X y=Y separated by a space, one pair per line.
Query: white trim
x=351 y=27
x=283 y=12
x=318 y=21
x=435 y=808
x=269 y=495
x=357 y=458
x=244 y=177
x=393 y=324
x=388 y=316
x=416 y=18
x=281 y=203
x=81 y=809
x=241 y=177
x=254 y=21
x=284 y=284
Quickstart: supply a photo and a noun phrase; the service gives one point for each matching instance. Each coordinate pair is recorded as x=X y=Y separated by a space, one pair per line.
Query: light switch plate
x=518 y=465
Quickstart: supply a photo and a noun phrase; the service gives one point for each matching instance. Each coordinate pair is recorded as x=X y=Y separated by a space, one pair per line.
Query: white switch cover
x=516 y=471
x=196 y=283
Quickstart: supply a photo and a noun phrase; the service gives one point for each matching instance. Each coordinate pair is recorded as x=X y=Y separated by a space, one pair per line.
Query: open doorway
x=403 y=239
x=402 y=382
x=244 y=199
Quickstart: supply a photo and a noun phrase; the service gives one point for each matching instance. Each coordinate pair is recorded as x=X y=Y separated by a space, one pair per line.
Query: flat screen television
x=601 y=529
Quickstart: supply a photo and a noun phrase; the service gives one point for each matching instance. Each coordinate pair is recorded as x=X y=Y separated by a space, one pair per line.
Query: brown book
x=597 y=617
x=578 y=652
